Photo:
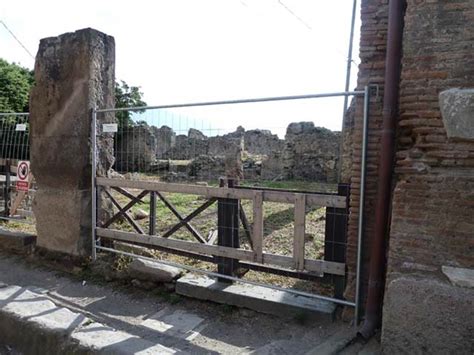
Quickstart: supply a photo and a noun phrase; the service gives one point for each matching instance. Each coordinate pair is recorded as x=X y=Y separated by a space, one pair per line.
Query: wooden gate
x=203 y=248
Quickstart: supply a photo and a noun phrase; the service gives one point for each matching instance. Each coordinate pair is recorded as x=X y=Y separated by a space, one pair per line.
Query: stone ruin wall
x=307 y=153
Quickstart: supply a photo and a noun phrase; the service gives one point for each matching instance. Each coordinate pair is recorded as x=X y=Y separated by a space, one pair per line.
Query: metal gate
x=17 y=190
x=239 y=215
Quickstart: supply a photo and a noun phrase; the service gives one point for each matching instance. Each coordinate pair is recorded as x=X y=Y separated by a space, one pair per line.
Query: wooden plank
x=257 y=235
x=212 y=237
x=126 y=208
x=317 y=266
x=227 y=230
x=300 y=224
x=224 y=192
x=185 y=221
x=335 y=240
x=128 y=194
x=125 y=213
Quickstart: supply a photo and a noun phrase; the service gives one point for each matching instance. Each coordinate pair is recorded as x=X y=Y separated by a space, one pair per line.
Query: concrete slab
x=260 y=299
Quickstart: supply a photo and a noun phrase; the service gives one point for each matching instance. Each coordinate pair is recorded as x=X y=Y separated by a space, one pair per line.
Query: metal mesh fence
x=15 y=205
x=14 y=136
x=199 y=146
x=297 y=231
x=203 y=144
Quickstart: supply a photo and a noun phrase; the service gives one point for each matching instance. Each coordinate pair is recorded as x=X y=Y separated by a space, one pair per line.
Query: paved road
x=190 y=326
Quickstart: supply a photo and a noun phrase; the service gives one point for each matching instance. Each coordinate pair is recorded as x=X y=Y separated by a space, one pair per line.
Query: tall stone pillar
x=74 y=72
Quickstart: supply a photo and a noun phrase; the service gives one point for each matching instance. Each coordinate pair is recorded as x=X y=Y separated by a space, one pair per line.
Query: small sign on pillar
x=22 y=173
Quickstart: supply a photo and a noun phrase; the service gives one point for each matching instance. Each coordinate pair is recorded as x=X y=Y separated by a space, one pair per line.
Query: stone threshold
x=257 y=298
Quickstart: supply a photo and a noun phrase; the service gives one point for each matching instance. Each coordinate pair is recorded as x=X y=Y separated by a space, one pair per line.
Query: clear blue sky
x=190 y=50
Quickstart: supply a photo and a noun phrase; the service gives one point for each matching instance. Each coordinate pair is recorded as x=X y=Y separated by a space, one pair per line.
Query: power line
x=16 y=39
x=292 y=13
x=305 y=24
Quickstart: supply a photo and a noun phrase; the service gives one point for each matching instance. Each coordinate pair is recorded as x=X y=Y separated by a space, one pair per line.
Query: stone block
x=150 y=271
x=17 y=241
x=457 y=110
x=74 y=73
x=458 y=276
x=257 y=298
x=63 y=220
x=427 y=316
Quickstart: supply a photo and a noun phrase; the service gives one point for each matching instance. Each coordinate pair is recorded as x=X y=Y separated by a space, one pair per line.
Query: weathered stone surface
x=176 y=323
x=260 y=299
x=136 y=149
x=140 y=214
x=74 y=72
x=272 y=166
x=63 y=221
x=56 y=330
x=458 y=276
x=165 y=138
x=457 y=110
x=150 y=271
x=307 y=153
x=427 y=316
x=17 y=241
x=196 y=134
x=205 y=167
x=311 y=153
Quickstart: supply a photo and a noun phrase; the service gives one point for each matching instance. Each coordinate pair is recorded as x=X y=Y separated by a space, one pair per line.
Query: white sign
x=109 y=128
x=20 y=127
x=22 y=173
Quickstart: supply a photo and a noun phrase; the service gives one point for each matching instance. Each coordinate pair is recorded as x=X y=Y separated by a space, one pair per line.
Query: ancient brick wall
x=433 y=201
x=374 y=16
x=432 y=222
x=432 y=211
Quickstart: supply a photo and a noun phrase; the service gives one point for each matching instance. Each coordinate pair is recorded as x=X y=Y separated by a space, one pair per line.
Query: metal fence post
x=361 y=204
x=7 y=188
x=93 y=182
x=227 y=229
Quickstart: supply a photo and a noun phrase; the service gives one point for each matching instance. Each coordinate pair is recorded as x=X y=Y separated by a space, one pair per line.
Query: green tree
x=15 y=84
x=127 y=96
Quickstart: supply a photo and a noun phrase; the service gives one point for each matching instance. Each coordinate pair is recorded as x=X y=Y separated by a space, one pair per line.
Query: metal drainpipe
x=373 y=312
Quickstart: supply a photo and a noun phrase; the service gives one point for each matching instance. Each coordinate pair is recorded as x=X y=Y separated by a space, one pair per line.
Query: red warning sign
x=22 y=174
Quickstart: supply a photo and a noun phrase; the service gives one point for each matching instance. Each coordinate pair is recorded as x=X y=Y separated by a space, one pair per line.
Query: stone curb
x=257 y=298
x=33 y=324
